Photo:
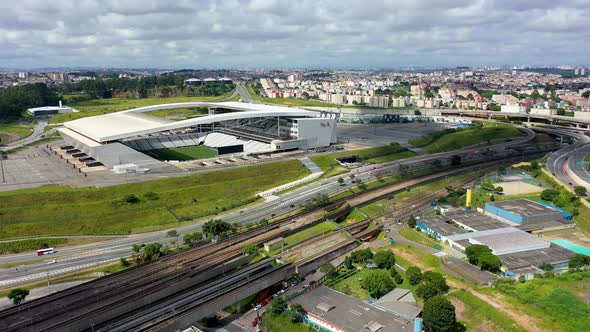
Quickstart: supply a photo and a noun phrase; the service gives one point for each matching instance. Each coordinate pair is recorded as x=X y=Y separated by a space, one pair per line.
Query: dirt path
x=527 y=322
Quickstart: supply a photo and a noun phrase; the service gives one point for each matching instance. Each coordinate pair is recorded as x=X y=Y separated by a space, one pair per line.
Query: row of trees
x=16 y=99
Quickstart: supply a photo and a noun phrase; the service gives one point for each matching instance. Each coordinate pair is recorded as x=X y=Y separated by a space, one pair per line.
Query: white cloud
x=285 y=33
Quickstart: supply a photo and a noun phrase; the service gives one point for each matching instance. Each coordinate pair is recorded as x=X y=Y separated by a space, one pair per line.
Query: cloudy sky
x=292 y=33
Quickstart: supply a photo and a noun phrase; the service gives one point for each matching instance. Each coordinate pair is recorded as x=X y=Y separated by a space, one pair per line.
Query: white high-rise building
x=23 y=75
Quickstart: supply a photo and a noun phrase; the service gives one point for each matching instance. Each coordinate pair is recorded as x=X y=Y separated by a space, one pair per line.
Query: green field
x=414 y=236
x=479 y=315
x=66 y=210
x=21 y=129
x=448 y=140
x=104 y=106
x=3 y=138
x=184 y=153
x=328 y=163
x=561 y=302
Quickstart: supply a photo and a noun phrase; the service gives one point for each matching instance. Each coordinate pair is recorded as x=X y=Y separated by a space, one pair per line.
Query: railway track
x=80 y=303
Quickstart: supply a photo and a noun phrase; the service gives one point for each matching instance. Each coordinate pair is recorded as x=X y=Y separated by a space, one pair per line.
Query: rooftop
x=349 y=313
x=524 y=207
x=115 y=126
x=509 y=242
x=474 y=220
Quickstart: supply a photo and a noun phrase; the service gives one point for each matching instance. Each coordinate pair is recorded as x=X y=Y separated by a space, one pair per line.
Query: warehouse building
x=507 y=240
x=522 y=211
x=50 y=110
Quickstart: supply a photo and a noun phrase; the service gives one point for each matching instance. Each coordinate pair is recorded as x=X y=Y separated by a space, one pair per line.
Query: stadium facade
x=230 y=127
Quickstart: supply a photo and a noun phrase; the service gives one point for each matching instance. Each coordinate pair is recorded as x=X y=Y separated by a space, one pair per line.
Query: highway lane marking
x=42 y=275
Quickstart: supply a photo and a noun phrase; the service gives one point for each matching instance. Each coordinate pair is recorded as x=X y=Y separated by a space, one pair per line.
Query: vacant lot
x=479 y=315
x=104 y=106
x=184 y=153
x=448 y=140
x=561 y=302
x=139 y=206
x=329 y=164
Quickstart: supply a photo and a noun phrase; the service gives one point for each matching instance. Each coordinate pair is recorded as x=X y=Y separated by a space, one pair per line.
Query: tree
x=482 y=256
x=398 y=279
x=546 y=267
x=328 y=269
x=217 y=228
x=499 y=189
x=18 y=295
x=580 y=190
x=340 y=180
x=361 y=185
x=455 y=160
x=348 y=262
x=136 y=248
x=263 y=222
x=124 y=262
x=535 y=165
x=438 y=314
x=277 y=306
x=361 y=256
x=152 y=251
x=437 y=280
x=436 y=164
x=414 y=275
x=427 y=291
x=412 y=221
x=578 y=260
x=192 y=238
x=384 y=259
x=586 y=94
x=522 y=279
x=416 y=112
x=250 y=249
x=172 y=233
x=317 y=201
x=549 y=194
x=296 y=313
x=378 y=283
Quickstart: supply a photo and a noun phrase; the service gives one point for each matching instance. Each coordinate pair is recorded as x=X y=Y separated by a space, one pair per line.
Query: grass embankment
x=414 y=236
x=21 y=129
x=11 y=247
x=184 y=153
x=252 y=91
x=84 y=275
x=3 y=138
x=560 y=302
x=407 y=196
x=87 y=211
x=328 y=163
x=322 y=228
x=110 y=105
x=479 y=315
x=453 y=139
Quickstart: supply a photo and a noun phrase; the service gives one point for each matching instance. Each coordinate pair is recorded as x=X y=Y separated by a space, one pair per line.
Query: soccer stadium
x=133 y=137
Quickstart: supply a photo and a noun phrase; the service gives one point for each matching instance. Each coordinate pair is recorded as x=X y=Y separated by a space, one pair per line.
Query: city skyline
x=304 y=34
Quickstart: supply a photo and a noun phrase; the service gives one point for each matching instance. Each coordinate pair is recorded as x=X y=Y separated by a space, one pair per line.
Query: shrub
x=384 y=259
x=414 y=275
x=131 y=199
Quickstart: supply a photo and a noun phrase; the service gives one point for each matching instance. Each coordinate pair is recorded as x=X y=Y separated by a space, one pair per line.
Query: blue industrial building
x=523 y=211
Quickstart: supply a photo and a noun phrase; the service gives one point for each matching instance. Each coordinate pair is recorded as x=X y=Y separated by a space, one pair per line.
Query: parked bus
x=47 y=251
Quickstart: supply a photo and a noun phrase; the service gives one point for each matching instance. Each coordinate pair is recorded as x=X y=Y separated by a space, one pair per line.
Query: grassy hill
x=154 y=205
x=453 y=139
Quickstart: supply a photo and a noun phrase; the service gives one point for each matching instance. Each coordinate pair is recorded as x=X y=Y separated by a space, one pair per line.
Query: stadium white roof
x=115 y=126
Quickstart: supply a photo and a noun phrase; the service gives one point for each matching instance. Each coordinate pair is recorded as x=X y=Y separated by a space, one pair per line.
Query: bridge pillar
x=528 y=119
x=577 y=125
